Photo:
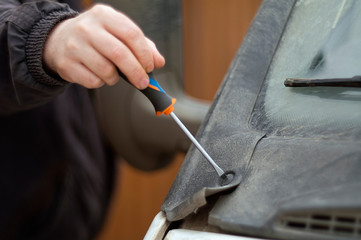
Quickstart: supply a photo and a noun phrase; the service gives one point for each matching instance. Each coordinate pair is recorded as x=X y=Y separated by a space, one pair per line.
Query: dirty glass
x=321 y=40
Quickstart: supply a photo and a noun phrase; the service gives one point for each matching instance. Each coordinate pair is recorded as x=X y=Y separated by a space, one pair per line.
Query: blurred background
x=211 y=32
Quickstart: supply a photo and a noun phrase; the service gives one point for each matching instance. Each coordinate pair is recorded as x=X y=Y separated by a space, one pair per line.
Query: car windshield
x=314 y=48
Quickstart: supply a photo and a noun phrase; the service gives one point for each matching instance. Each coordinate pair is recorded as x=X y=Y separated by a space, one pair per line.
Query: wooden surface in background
x=213 y=30
x=137 y=200
x=86 y=3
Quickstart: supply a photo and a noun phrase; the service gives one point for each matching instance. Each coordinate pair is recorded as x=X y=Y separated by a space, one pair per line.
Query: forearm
x=24 y=82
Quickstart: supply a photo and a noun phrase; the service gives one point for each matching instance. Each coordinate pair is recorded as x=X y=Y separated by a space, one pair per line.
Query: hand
x=88 y=48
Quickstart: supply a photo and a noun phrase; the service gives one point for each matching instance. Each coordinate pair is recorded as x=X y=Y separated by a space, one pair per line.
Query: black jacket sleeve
x=24 y=27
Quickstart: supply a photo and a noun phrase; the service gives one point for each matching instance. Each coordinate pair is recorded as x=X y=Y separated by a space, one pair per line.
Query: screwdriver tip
x=227 y=178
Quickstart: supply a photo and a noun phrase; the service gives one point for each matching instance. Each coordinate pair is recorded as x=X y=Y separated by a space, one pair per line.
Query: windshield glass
x=321 y=40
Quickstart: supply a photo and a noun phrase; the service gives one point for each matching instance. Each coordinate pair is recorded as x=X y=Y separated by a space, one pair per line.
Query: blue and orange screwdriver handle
x=163 y=104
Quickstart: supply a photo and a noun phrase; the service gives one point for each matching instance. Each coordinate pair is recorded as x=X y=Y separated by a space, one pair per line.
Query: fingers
x=158 y=59
x=100 y=66
x=80 y=74
x=65 y=52
x=97 y=42
x=120 y=54
x=127 y=32
x=131 y=53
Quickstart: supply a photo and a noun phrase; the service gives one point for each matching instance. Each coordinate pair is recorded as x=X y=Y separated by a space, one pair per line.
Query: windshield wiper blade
x=327 y=82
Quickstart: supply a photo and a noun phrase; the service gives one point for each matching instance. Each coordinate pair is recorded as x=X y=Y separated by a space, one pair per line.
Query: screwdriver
x=163 y=104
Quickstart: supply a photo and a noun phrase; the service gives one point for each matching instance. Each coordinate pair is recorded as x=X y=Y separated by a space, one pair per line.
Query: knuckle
x=71 y=45
x=146 y=59
x=109 y=74
x=118 y=53
x=136 y=74
x=133 y=33
x=83 y=27
x=150 y=42
x=100 y=9
x=93 y=82
x=62 y=67
x=107 y=70
x=112 y=81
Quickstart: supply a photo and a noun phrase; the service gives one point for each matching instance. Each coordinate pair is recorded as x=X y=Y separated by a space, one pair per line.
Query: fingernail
x=144 y=83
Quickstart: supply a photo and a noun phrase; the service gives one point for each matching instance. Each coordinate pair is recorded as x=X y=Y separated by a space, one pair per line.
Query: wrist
x=40 y=69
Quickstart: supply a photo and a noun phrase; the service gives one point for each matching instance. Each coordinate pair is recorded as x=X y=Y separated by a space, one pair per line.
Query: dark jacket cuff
x=35 y=46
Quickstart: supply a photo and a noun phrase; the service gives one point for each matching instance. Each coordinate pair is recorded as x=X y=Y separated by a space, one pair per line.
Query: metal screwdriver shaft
x=219 y=171
x=163 y=104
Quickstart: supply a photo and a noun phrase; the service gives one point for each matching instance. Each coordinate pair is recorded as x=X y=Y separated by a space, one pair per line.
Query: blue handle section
x=163 y=104
x=155 y=84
